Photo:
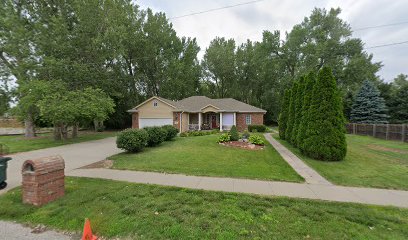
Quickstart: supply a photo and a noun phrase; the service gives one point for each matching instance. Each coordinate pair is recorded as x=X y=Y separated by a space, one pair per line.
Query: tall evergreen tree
x=298 y=109
x=326 y=131
x=283 y=117
x=292 y=112
x=369 y=106
x=310 y=81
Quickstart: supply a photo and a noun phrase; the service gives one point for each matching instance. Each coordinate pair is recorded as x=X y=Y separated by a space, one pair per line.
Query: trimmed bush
x=132 y=140
x=171 y=132
x=284 y=114
x=298 y=110
x=257 y=140
x=326 y=124
x=258 y=128
x=234 y=133
x=224 y=138
x=184 y=134
x=156 y=135
x=307 y=97
x=291 y=115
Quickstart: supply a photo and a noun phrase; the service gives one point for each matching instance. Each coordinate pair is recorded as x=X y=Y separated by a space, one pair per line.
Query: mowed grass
x=204 y=156
x=137 y=211
x=21 y=144
x=370 y=162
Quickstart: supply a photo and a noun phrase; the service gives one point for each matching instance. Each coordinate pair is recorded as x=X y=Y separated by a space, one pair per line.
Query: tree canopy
x=132 y=54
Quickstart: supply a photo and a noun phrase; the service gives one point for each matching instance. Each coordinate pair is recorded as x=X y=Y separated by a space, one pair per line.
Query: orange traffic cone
x=87 y=235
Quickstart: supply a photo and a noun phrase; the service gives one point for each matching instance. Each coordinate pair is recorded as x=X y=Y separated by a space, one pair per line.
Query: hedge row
x=135 y=140
x=256 y=128
x=312 y=117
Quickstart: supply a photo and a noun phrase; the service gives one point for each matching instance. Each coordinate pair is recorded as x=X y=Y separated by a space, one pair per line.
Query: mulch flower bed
x=244 y=145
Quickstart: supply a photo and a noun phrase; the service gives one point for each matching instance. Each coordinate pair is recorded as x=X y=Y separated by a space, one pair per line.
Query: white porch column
x=235 y=119
x=220 y=121
x=199 y=121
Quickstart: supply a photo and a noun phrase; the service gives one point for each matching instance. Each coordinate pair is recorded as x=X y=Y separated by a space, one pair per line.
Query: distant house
x=196 y=113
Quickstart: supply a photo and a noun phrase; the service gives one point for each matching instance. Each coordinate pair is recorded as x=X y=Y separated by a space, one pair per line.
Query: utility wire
x=215 y=9
x=380 y=26
x=386 y=45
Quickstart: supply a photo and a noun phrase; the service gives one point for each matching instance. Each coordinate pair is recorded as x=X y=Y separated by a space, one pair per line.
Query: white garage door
x=149 y=122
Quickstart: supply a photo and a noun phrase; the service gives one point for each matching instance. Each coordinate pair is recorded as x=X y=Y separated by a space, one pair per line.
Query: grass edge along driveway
x=17 y=143
x=203 y=156
x=121 y=209
x=370 y=162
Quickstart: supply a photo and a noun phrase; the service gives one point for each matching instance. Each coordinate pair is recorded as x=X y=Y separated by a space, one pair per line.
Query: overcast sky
x=248 y=22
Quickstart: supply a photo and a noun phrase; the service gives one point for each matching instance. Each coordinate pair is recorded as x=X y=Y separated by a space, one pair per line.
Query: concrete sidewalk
x=309 y=174
x=269 y=188
x=75 y=155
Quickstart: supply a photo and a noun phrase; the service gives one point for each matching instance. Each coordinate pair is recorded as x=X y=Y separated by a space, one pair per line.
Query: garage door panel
x=150 y=122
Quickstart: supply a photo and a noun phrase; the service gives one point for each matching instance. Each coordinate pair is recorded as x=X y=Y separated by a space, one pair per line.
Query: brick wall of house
x=176 y=120
x=256 y=119
x=135 y=120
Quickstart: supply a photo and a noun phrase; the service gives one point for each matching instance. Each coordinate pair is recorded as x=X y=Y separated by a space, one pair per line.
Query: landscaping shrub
x=171 y=132
x=291 y=112
x=234 y=134
x=257 y=128
x=308 y=95
x=326 y=124
x=246 y=135
x=132 y=140
x=156 y=136
x=224 y=138
x=298 y=110
x=257 y=140
x=283 y=116
x=184 y=134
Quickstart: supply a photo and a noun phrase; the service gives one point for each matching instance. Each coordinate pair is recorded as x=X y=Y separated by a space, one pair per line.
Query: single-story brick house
x=196 y=113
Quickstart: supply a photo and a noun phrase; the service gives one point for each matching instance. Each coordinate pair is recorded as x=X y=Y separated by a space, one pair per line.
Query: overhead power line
x=386 y=45
x=380 y=26
x=215 y=9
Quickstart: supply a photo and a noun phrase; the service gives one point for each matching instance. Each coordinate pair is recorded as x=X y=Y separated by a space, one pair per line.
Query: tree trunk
x=29 y=126
x=57 y=132
x=64 y=132
x=75 y=130
x=96 y=125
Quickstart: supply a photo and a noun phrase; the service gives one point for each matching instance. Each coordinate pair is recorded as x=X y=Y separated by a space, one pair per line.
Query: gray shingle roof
x=196 y=103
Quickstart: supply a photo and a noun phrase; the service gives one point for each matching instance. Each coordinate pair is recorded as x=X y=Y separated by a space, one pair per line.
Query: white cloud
x=248 y=22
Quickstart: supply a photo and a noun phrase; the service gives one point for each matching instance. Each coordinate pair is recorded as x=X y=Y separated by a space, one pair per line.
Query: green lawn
x=154 y=212
x=370 y=162
x=20 y=144
x=203 y=156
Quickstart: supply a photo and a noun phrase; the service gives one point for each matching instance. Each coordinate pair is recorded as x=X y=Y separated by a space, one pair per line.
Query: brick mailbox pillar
x=43 y=180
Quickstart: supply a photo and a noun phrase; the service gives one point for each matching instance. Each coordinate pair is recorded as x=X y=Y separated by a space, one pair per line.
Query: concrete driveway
x=75 y=156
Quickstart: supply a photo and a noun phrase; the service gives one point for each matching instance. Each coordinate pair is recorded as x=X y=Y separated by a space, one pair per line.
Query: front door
x=213 y=121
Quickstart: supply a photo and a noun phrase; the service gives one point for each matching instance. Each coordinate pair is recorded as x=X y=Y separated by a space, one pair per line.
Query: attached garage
x=150 y=122
x=155 y=111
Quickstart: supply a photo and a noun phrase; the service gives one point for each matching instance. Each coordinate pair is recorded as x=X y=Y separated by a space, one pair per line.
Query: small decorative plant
x=257 y=140
x=224 y=138
x=246 y=135
x=234 y=134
